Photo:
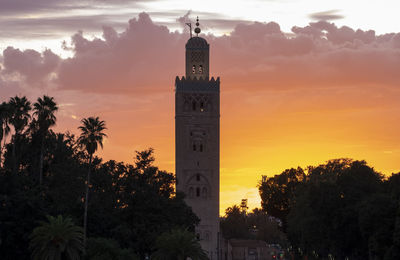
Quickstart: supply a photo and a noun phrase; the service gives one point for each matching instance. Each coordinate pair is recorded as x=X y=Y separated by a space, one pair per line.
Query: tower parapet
x=197 y=84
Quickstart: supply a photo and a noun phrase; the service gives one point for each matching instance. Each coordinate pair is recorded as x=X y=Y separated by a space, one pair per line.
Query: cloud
x=184 y=19
x=32 y=66
x=27 y=7
x=138 y=59
x=146 y=57
x=46 y=27
x=326 y=15
x=54 y=19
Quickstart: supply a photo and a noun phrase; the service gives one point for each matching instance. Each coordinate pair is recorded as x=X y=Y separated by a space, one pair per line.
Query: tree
x=277 y=193
x=147 y=204
x=91 y=137
x=234 y=223
x=44 y=109
x=4 y=124
x=108 y=249
x=57 y=239
x=178 y=244
x=337 y=211
x=266 y=228
x=21 y=206
x=377 y=220
x=254 y=225
x=134 y=204
x=20 y=116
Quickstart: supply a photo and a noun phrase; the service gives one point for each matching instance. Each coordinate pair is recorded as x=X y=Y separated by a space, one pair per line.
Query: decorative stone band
x=193 y=84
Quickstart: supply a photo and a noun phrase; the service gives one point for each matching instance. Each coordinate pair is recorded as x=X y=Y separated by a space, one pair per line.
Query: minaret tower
x=197 y=116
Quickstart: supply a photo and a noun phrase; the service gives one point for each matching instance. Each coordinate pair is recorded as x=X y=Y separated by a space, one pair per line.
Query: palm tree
x=44 y=110
x=4 y=124
x=91 y=137
x=19 y=118
x=178 y=244
x=56 y=239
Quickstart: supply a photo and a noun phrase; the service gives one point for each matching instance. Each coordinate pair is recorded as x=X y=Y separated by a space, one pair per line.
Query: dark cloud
x=46 y=27
x=326 y=15
x=336 y=35
x=15 y=7
x=49 y=18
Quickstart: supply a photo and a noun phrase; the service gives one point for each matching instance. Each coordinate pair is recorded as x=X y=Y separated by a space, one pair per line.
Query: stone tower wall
x=197 y=150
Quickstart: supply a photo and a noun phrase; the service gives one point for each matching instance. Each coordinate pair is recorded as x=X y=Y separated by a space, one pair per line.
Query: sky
x=302 y=81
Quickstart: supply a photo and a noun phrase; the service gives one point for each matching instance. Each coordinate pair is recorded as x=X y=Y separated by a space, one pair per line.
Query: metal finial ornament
x=197 y=30
x=190 y=28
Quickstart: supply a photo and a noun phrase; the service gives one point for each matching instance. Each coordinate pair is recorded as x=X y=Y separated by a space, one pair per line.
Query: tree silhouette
x=108 y=249
x=178 y=244
x=20 y=116
x=57 y=239
x=4 y=124
x=277 y=193
x=233 y=224
x=134 y=204
x=91 y=137
x=342 y=210
x=44 y=109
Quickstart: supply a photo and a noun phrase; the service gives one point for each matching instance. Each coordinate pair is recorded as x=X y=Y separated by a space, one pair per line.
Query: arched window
x=194 y=69
x=197 y=192
x=201 y=69
x=194 y=105
x=191 y=191
x=197 y=177
x=204 y=192
x=201 y=147
x=201 y=106
x=194 y=147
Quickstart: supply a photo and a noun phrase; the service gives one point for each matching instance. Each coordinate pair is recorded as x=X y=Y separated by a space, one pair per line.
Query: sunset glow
x=293 y=93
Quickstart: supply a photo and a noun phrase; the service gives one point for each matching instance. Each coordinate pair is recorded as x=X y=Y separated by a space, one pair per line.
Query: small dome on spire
x=196 y=42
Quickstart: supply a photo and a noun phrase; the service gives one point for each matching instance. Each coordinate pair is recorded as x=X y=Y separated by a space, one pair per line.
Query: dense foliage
x=343 y=208
x=239 y=224
x=44 y=173
x=178 y=244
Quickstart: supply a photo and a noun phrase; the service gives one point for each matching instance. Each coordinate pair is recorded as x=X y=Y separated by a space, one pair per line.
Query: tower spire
x=197 y=30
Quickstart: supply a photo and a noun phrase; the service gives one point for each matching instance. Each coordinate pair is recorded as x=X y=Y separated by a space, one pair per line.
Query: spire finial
x=197 y=30
x=190 y=28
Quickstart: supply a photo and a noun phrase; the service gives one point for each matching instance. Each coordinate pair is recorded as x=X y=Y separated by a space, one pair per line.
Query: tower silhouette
x=197 y=117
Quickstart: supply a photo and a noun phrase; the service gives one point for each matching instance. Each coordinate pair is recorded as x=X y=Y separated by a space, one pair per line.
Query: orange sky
x=320 y=93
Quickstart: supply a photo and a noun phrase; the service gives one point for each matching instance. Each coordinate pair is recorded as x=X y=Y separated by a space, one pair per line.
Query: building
x=197 y=127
